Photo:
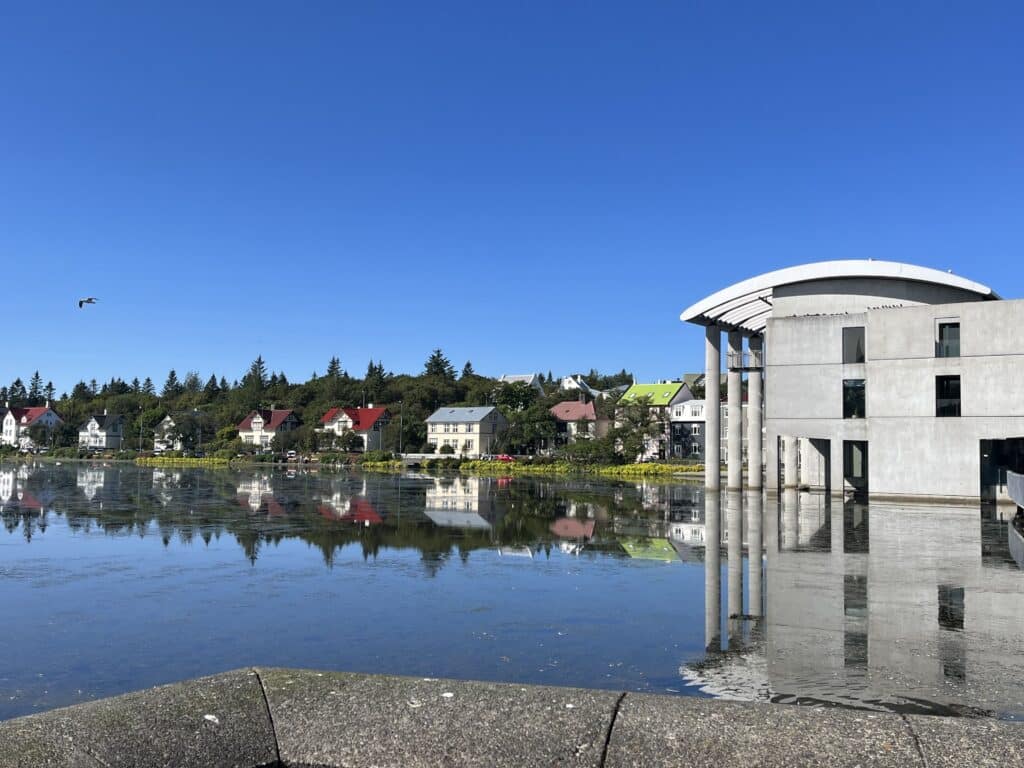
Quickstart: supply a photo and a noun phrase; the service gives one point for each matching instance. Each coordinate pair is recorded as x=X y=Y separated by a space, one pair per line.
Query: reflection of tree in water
x=190 y=505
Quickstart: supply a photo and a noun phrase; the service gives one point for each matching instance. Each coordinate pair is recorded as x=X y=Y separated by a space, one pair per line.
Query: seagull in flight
x=87 y=300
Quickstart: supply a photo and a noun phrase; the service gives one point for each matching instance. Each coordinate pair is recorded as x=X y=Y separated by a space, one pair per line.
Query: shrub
x=446 y=450
x=377 y=456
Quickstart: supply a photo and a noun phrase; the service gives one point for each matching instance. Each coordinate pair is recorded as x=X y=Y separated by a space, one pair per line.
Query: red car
x=504 y=457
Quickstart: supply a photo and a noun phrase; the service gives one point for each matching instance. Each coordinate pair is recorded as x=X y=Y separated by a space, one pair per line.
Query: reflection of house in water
x=352 y=503
x=463 y=502
x=883 y=607
x=97 y=484
x=256 y=492
x=6 y=486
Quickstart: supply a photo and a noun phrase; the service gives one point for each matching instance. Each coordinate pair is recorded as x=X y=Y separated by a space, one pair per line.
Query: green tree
x=438 y=365
x=256 y=377
x=147 y=387
x=35 y=389
x=515 y=396
x=637 y=424
x=334 y=367
x=467 y=371
x=172 y=387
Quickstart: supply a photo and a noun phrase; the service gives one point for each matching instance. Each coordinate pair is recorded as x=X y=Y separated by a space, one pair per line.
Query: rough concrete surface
x=212 y=721
x=662 y=731
x=968 y=742
x=330 y=719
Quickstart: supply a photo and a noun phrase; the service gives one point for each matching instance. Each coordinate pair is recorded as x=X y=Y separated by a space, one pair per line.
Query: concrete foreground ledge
x=307 y=719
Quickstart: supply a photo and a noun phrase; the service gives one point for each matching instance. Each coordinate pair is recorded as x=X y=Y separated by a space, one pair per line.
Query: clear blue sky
x=527 y=185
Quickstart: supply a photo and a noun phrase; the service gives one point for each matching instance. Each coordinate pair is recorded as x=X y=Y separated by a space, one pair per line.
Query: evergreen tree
x=438 y=365
x=192 y=383
x=211 y=390
x=35 y=389
x=4 y=394
x=334 y=368
x=50 y=391
x=224 y=386
x=256 y=378
x=17 y=393
x=93 y=388
x=147 y=387
x=172 y=387
x=467 y=370
x=375 y=381
x=136 y=385
x=81 y=392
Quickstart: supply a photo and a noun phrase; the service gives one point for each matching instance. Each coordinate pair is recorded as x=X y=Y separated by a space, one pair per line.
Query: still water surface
x=114 y=578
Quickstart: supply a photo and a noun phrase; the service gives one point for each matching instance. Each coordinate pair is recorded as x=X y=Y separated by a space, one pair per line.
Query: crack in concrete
x=611 y=726
x=270 y=716
x=917 y=740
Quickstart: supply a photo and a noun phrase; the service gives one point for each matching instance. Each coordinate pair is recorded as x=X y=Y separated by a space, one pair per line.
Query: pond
x=116 y=578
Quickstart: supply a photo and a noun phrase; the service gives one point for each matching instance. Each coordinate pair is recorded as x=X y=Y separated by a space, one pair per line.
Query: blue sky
x=529 y=186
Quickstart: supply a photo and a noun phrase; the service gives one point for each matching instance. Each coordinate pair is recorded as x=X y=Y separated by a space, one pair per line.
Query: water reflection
x=906 y=608
x=920 y=611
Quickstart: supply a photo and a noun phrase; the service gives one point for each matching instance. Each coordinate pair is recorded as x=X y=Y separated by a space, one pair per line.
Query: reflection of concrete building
x=881 y=377
x=462 y=502
x=896 y=606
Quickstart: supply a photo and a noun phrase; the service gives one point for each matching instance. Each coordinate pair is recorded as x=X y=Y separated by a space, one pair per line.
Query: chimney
x=583 y=397
x=370 y=405
x=104 y=411
x=47 y=403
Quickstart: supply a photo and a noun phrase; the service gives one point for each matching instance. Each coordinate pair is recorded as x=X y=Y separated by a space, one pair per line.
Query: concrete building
x=886 y=378
x=470 y=432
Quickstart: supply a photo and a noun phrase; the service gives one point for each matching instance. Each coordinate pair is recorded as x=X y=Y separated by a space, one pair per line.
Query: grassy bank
x=558 y=468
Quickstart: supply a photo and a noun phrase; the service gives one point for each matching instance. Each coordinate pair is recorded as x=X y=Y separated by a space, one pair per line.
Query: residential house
x=471 y=432
x=576 y=419
x=18 y=421
x=368 y=423
x=529 y=379
x=576 y=383
x=166 y=436
x=661 y=397
x=261 y=426
x=687 y=425
x=104 y=432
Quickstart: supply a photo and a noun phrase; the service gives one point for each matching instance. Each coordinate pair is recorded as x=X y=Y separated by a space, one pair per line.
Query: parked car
x=504 y=457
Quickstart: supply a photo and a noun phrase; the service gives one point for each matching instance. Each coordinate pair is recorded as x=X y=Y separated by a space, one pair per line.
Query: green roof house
x=662 y=395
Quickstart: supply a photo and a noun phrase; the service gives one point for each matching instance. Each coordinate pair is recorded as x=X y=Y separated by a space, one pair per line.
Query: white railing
x=752 y=360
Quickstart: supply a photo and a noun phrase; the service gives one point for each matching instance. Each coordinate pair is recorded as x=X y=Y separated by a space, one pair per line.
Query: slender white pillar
x=735 y=399
x=712 y=571
x=734 y=553
x=712 y=398
x=791 y=460
x=754 y=415
x=790 y=525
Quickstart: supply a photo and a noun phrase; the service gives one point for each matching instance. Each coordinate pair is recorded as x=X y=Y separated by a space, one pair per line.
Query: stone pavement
x=308 y=719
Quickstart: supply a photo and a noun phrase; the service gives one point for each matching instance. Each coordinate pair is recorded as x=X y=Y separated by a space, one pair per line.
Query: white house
x=166 y=437
x=471 y=432
x=17 y=421
x=368 y=423
x=529 y=379
x=103 y=432
x=260 y=427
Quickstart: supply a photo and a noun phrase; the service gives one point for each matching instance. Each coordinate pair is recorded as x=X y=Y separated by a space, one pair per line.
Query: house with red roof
x=16 y=423
x=576 y=419
x=261 y=426
x=368 y=423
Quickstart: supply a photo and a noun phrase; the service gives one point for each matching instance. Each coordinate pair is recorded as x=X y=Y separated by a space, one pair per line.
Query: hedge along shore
x=288 y=717
x=626 y=471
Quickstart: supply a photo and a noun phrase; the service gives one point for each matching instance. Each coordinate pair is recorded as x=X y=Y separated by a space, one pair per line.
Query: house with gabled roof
x=529 y=379
x=368 y=423
x=471 y=432
x=262 y=425
x=16 y=422
x=660 y=397
x=102 y=432
x=576 y=419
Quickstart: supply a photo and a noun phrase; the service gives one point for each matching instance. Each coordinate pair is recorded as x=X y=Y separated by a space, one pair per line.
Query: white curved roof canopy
x=747 y=305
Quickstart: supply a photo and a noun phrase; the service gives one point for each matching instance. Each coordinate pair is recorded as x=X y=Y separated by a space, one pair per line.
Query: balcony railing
x=745 y=361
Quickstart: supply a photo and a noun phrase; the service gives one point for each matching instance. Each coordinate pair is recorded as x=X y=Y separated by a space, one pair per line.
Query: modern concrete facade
x=893 y=379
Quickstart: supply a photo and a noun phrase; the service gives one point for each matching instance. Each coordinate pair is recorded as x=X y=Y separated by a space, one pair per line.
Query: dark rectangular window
x=948 y=343
x=947 y=395
x=951 y=607
x=853 y=345
x=853 y=399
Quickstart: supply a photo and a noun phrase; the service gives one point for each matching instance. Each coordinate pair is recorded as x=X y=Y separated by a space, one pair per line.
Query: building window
x=947 y=395
x=467 y=446
x=948 y=342
x=854 y=406
x=951 y=607
x=853 y=344
x=695 y=430
x=447 y=428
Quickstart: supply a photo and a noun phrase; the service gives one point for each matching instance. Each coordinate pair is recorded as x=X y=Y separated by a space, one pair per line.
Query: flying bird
x=88 y=300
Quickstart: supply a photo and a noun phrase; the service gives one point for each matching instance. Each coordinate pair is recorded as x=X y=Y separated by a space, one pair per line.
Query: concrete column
x=789 y=526
x=754 y=416
x=712 y=572
x=712 y=397
x=808 y=464
x=734 y=436
x=836 y=481
x=791 y=460
x=753 y=504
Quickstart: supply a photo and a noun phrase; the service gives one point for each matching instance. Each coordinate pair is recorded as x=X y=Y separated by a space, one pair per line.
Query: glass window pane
x=947 y=395
x=853 y=345
x=854 y=400
x=948 y=344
